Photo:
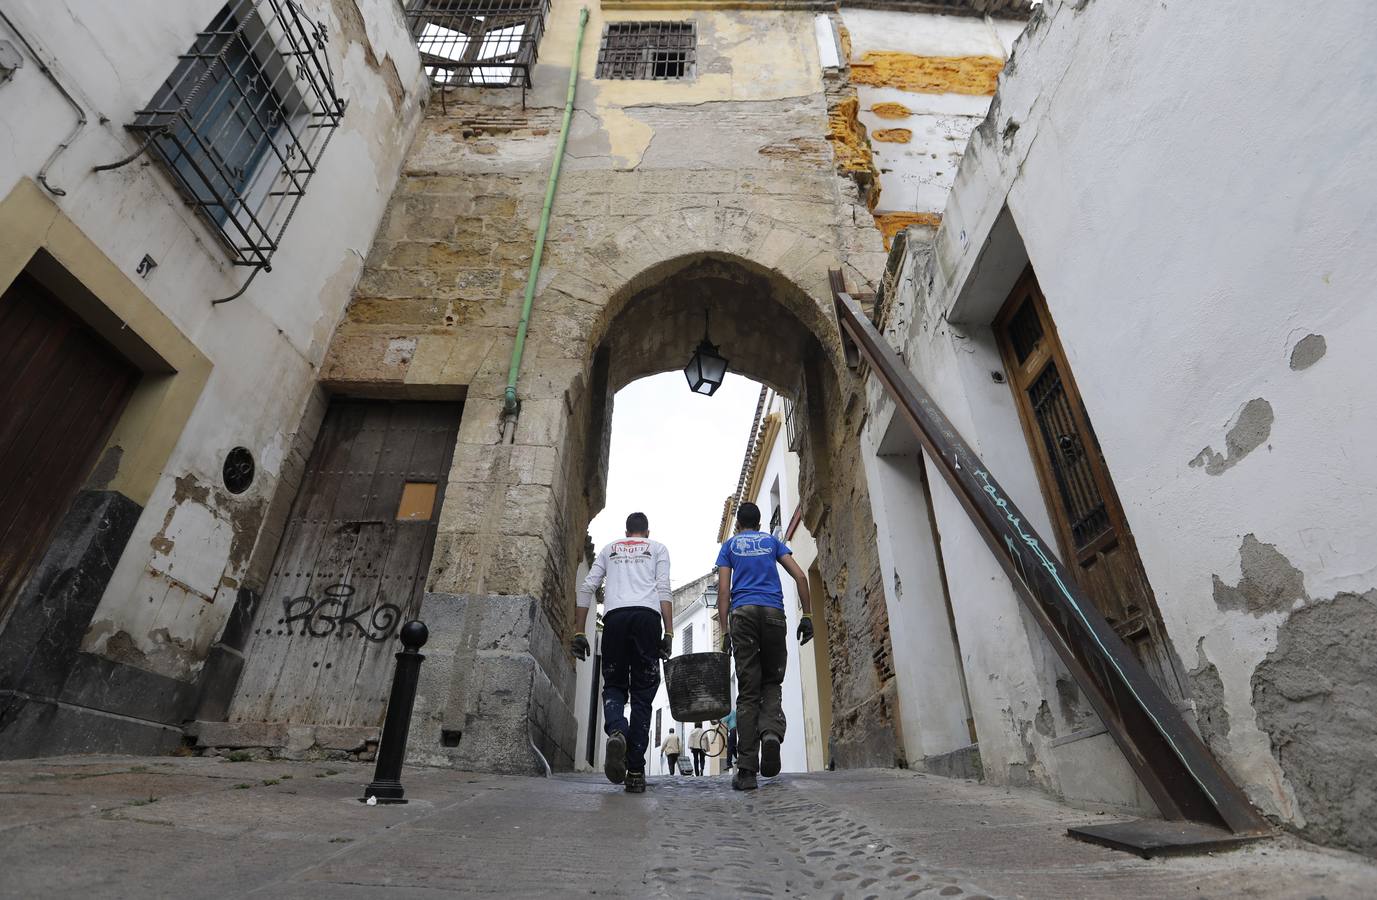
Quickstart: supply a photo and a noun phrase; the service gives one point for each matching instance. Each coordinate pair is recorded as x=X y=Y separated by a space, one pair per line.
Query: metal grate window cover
x=686 y=638
x=241 y=123
x=793 y=428
x=659 y=51
x=485 y=43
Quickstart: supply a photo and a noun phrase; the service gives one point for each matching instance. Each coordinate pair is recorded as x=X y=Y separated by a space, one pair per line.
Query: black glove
x=727 y=643
x=805 y=629
x=580 y=646
x=666 y=646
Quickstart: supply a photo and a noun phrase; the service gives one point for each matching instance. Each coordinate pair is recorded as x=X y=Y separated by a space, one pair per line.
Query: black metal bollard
x=387 y=776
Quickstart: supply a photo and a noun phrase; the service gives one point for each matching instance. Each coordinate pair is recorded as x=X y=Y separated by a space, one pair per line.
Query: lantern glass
x=705 y=370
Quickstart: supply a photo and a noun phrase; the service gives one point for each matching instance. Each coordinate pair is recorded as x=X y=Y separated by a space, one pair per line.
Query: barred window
x=478 y=42
x=241 y=123
x=686 y=638
x=660 y=51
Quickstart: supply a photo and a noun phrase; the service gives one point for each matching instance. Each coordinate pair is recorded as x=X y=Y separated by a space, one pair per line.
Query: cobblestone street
x=171 y=827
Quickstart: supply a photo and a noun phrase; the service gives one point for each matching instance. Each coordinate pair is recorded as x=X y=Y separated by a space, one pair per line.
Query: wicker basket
x=699 y=686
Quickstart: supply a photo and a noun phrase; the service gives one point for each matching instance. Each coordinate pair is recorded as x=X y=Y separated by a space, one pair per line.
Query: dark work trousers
x=698 y=758
x=759 y=644
x=630 y=671
x=731 y=748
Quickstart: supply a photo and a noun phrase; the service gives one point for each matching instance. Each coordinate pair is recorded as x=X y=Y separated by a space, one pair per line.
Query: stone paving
x=175 y=827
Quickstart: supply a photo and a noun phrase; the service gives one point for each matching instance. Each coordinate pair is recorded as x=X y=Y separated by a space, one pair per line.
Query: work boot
x=743 y=780
x=635 y=782
x=614 y=766
x=769 y=756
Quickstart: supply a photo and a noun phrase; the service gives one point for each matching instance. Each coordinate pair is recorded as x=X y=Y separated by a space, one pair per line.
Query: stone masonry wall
x=726 y=182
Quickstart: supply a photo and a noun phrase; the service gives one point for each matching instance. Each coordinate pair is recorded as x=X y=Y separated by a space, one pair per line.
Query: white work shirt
x=696 y=740
x=636 y=570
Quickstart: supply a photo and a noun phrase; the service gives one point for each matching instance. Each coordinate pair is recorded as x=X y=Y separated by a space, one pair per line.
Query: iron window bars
x=484 y=43
x=659 y=51
x=242 y=122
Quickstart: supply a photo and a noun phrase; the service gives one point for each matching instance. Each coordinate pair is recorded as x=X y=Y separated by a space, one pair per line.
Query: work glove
x=666 y=646
x=805 y=629
x=580 y=646
x=727 y=644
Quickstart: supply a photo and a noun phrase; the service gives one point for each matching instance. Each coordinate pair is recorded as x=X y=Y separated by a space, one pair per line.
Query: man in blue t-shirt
x=748 y=585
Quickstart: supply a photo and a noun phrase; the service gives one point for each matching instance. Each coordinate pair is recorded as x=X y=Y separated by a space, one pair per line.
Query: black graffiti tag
x=331 y=614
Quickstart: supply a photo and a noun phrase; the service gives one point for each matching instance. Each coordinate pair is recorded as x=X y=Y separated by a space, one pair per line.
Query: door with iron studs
x=351 y=566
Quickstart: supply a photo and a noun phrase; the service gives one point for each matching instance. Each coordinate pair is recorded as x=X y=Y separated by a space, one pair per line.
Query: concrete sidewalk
x=173 y=827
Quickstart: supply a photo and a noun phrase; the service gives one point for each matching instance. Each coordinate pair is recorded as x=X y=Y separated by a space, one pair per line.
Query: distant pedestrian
x=748 y=585
x=698 y=746
x=730 y=724
x=672 y=751
x=636 y=603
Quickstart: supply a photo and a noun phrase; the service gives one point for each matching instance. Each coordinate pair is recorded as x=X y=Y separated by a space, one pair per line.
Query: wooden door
x=1095 y=540
x=351 y=567
x=62 y=388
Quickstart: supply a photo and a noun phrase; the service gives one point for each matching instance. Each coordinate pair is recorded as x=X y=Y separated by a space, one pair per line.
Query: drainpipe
x=510 y=407
x=81 y=113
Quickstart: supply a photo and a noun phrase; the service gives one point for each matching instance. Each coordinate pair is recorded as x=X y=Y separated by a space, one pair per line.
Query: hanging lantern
x=707 y=368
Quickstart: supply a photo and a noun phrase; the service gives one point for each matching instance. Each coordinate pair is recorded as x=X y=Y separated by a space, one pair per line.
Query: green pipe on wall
x=510 y=406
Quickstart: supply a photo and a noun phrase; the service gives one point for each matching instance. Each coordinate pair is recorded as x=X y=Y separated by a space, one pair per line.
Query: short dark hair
x=637 y=523
x=748 y=515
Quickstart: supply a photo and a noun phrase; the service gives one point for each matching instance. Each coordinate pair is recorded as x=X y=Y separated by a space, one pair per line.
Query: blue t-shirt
x=752 y=556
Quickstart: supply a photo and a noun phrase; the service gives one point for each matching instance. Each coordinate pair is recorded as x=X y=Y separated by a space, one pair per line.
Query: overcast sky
x=676 y=456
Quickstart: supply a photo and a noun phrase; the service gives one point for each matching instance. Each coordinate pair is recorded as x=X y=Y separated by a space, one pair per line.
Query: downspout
x=81 y=113
x=510 y=406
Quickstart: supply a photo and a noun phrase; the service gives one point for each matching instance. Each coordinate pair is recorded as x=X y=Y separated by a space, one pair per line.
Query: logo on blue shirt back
x=753 y=545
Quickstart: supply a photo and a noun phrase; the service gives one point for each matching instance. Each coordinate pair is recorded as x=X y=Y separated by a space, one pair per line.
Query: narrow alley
x=173 y=827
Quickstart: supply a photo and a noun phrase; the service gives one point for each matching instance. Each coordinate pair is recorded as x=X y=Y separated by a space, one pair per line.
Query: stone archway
x=513 y=529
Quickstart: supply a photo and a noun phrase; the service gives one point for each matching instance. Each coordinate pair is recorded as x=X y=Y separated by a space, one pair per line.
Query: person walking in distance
x=634 y=573
x=698 y=746
x=672 y=751
x=750 y=593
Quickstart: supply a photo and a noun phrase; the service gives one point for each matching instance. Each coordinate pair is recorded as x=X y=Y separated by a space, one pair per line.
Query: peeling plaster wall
x=924 y=83
x=1212 y=289
x=189 y=553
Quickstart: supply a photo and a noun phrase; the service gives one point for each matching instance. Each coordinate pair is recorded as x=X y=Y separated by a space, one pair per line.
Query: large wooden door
x=1094 y=536
x=62 y=389
x=351 y=567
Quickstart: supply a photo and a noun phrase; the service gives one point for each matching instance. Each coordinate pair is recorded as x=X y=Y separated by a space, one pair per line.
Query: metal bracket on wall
x=1171 y=761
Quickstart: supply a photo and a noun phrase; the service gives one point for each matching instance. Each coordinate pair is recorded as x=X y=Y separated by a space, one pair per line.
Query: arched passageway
x=774 y=332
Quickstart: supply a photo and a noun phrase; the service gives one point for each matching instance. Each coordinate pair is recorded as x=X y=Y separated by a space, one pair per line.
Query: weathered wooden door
x=62 y=389
x=1094 y=536
x=351 y=567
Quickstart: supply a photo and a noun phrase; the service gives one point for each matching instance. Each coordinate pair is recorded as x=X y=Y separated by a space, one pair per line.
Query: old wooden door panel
x=347 y=572
x=1089 y=521
x=62 y=389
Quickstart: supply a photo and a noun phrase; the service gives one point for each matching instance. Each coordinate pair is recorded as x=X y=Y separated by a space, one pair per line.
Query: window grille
x=660 y=51
x=793 y=428
x=478 y=42
x=242 y=122
x=777 y=522
x=687 y=639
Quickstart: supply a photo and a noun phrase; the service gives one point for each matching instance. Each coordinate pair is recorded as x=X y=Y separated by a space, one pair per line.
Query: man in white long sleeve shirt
x=636 y=599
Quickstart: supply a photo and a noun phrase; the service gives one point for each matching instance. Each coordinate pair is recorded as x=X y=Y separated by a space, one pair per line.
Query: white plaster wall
x=265 y=347
x=793 y=753
x=932 y=707
x=924 y=34
x=805 y=549
x=1192 y=210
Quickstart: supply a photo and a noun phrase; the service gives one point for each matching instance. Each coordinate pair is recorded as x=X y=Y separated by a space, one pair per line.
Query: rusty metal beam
x=1174 y=765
